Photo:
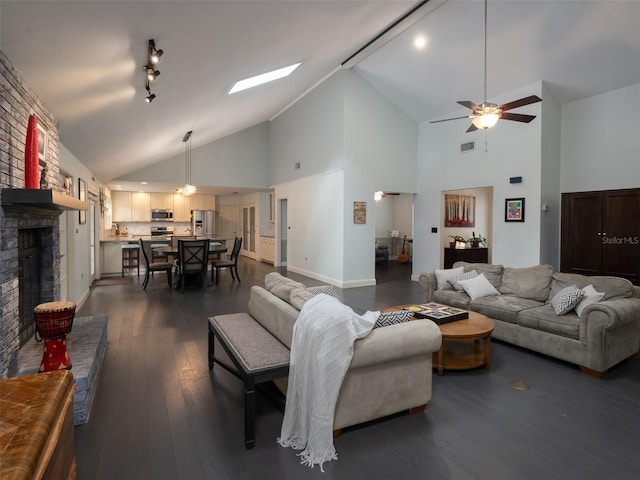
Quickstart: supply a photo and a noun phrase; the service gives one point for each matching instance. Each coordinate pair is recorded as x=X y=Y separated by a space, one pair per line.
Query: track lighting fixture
x=150 y=72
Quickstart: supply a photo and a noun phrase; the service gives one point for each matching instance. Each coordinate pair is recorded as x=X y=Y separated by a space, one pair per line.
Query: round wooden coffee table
x=461 y=348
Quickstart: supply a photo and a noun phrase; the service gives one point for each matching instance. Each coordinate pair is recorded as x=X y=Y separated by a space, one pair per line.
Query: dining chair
x=192 y=260
x=151 y=265
x=231 y=263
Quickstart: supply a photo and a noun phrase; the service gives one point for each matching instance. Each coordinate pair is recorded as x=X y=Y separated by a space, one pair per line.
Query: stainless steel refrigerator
x=204 y=222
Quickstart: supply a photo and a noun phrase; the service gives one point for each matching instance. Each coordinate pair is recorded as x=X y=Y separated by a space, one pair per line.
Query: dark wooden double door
x=601 y=233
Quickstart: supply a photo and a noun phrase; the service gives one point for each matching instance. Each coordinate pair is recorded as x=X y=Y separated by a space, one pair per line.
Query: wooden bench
x=257 y=357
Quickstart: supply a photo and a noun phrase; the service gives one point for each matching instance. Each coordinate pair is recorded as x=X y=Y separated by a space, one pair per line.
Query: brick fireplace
x=48 y=277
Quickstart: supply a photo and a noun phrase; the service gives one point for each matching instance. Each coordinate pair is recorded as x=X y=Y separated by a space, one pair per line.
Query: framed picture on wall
x=82 y=195
x=359 y=213
x=514 y=210
x=42 y=143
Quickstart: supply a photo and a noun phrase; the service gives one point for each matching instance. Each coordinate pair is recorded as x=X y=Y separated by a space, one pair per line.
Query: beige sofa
x=391 y=368
x=605 y=333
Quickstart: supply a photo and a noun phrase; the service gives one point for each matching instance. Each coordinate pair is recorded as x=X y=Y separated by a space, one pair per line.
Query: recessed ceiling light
x=143 y=183
x=420 y=42
x=263 y=78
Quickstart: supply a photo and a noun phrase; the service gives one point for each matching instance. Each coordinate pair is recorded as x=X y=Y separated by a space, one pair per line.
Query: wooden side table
x=461 y=348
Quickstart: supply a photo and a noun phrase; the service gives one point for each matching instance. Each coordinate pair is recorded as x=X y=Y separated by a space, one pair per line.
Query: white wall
x=509 y=149
x=78 y=236
x=238 y=160
x=315 y=235
x=601 y=141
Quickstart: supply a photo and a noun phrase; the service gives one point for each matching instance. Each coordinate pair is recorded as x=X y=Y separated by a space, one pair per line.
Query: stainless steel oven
x=161 y=231
x=159 y=215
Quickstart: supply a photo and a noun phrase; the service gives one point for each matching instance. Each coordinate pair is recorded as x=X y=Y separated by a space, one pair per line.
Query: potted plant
x=476 y=241
x=456 y=239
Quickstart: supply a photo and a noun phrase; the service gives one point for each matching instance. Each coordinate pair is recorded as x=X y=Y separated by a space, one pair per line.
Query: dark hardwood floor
x=160 y=414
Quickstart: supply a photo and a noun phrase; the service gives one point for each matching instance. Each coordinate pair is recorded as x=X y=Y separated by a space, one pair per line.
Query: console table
x=471 y=255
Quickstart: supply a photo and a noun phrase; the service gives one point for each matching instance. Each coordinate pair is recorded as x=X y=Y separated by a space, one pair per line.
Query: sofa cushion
x=443 y=276
x=281 y=286
x=451 y=298
x=590 y=296
x=530 y=282
x=613 y=287
x=493 y=273
x=454 y=282
x=543 y=318
x=478 y=287
x=299 y=297
x=566 y=299
x=391 y=318
x=502 y=307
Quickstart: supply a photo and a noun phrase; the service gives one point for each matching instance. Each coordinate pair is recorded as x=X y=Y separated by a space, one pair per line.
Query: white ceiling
x=84 y=59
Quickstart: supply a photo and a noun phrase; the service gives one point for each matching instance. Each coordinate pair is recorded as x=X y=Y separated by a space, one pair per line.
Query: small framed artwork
x=514 y=210
x=42 y=143
x=82 y=195
x=359 y=213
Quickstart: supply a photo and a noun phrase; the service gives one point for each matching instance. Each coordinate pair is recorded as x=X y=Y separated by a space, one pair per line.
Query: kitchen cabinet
x=268 y=249
x=140 y=207
x=600 y=233
x=203 y=202
x=121 y=202
x=181 y=208
x=111 y=258
x=162 y=201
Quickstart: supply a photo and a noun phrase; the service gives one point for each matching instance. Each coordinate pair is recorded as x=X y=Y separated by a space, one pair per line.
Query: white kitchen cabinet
x=161 y=201
x=140 y=207
x=121 y=202
x=268 y=249
x=181 y=208
x=203 y=202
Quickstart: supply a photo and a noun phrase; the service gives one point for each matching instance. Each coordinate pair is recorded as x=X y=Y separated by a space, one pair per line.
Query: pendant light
x=188 y=189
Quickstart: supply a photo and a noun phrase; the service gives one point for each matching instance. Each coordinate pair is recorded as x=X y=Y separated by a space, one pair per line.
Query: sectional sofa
x=604 y=332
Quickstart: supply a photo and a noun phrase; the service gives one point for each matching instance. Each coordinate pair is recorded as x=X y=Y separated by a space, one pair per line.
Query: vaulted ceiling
x=84 y=59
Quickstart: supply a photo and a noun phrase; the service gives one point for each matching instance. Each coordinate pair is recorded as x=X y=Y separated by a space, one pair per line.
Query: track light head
x=156 y=56
x=149 y=98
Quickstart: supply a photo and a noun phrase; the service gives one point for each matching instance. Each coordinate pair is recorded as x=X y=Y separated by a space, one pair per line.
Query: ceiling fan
x=487 y=114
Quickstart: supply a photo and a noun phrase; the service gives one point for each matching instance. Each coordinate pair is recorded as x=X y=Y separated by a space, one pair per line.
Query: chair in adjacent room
x=151 y=265
x=192 y=260
x=231 y=263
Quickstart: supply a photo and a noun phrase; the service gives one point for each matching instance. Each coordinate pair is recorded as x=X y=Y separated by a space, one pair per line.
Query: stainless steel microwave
x=159 y=215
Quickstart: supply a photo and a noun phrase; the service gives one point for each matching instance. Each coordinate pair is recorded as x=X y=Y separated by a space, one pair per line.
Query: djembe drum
x=53 y=322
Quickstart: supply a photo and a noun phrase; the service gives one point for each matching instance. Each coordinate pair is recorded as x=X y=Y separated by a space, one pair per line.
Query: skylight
x=263 y=78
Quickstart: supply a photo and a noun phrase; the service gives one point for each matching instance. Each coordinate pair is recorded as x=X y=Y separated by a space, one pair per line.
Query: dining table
x=216 y=249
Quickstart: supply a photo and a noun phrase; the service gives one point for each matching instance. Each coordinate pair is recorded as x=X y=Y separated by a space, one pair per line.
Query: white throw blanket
x=321 y=352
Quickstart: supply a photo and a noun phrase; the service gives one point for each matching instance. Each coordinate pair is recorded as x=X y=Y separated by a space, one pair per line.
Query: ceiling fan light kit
x=487 y=114
x=150 y=71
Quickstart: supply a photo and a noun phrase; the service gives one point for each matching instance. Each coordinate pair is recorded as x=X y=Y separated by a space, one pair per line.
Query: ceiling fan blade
x=469 y=104
x=517 y=117
x=520 y=103
x=447 y=119
x=472 y=128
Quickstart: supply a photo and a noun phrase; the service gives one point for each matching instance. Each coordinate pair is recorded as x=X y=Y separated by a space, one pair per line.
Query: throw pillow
x=566 y=299
x=590 y=296
x=463 y=276
x=327 y=289
x=391 y=318
x=443 y=276
x=478 y=287
x=281 y=286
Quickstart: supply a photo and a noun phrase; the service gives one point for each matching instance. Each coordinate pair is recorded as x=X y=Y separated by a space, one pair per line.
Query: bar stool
x=130 y=257
x=53 y=322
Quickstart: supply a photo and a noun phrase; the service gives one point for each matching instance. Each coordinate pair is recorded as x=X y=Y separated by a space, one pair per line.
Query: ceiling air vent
x=467 y=147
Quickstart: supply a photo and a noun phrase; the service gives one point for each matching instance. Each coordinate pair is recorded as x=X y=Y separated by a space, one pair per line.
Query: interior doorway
x=249 y=231
x=393 y=229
